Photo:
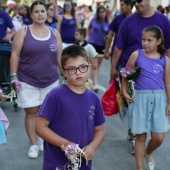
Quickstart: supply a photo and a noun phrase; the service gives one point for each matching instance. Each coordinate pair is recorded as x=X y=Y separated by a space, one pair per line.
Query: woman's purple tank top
x=38 y=62
x=67 y=30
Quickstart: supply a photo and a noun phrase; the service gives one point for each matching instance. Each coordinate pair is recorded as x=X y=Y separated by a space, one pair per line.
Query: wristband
x=13 y=75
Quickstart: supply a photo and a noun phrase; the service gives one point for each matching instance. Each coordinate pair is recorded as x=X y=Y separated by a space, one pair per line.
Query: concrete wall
x=155 y=3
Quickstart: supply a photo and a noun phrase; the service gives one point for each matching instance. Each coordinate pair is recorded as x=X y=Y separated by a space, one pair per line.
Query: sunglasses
x=138 y=1
x=67 y=5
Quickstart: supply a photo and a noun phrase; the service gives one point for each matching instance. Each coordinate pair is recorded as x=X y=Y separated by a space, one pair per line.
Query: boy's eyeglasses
x=138 y=1
x=67 y=5
x=73 y=70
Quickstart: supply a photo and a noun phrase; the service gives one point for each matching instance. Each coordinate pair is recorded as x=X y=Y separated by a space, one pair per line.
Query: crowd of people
x=48 y=40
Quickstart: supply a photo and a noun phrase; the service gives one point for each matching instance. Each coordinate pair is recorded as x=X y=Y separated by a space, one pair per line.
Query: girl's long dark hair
x=97 y=13
x=72 y=9
x=157 y=33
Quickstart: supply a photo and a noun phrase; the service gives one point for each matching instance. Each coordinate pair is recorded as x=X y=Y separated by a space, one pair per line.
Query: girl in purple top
x=97 y=31
x=34 y=62
x=67 y=24
x=149 y=108
x=71 y=114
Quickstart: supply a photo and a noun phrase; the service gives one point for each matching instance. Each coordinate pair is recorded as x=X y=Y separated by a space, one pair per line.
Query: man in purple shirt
x=130 y=33
x=5 y=22
x=126 y=9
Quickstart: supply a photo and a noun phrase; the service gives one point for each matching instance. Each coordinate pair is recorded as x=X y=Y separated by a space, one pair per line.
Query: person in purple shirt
x=67 y=24
x=130 y=33
x=97 y=32
x=6 y=22
x=71 y=114
x=126 y=9
x=129 y=37
x=34 y=64
x=149 y=109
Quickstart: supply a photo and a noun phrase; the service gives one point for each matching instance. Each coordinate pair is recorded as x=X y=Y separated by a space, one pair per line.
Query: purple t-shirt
x=130 y=33
x=72 y=116
x=38 y=63
x=67 y=30
x=97 y=31
x=5 y=22
x=151 y=75
x=114 y=26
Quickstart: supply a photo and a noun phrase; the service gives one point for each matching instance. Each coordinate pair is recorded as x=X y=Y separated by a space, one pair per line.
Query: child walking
x=71 y=115
x=149 y=108
x=80 y=36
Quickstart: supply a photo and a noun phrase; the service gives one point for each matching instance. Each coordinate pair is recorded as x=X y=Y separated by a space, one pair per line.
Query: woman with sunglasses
x=51 y=20
x=67 y=24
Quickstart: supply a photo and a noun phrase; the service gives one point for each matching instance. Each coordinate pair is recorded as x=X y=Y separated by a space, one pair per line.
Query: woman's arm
x=16 y=49
x=60 y=48
x=59 y=19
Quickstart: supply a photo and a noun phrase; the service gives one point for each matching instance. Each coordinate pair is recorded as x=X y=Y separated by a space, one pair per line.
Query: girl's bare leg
x=155 y=141
x=139 y=150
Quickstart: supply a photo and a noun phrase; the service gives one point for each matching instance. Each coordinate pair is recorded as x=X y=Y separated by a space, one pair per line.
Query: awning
x=11 y=3
x=84 y=2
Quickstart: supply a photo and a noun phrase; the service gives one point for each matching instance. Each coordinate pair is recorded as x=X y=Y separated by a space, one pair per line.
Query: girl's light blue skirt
x=148 y=112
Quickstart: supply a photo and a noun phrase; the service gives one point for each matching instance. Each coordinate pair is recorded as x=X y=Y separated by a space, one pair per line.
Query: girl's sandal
x=149 y=165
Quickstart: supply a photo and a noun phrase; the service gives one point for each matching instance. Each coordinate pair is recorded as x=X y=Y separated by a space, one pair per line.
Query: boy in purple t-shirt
x=71 y=114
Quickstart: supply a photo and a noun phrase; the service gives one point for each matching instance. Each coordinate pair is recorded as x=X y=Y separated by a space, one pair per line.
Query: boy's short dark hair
x=73 y=51
x=82 y=31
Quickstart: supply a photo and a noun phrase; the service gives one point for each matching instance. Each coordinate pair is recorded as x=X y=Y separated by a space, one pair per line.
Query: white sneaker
x=95 y=88
x=40 y=144
x=33 y=151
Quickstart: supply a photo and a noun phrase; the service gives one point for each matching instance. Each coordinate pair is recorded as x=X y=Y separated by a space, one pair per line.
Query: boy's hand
x=89 y=151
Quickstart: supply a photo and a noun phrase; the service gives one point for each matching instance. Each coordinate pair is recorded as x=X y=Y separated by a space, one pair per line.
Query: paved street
x=113 y=154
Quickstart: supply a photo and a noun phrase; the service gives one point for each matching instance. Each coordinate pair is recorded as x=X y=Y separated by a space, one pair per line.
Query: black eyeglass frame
x=77 y=68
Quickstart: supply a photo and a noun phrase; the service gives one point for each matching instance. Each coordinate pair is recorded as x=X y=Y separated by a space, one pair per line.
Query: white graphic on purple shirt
x=53 y=47
x=157 y=68
x=91 y=112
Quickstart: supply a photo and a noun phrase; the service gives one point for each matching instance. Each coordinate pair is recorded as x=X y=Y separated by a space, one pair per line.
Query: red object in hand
x=109 y=101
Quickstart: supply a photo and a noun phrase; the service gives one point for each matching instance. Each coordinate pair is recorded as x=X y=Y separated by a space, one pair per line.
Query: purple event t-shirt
x=96 y=35
x=151 y=75
x=72 y=116
x=114 y=26
x=130 y=33
x=5 y=22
